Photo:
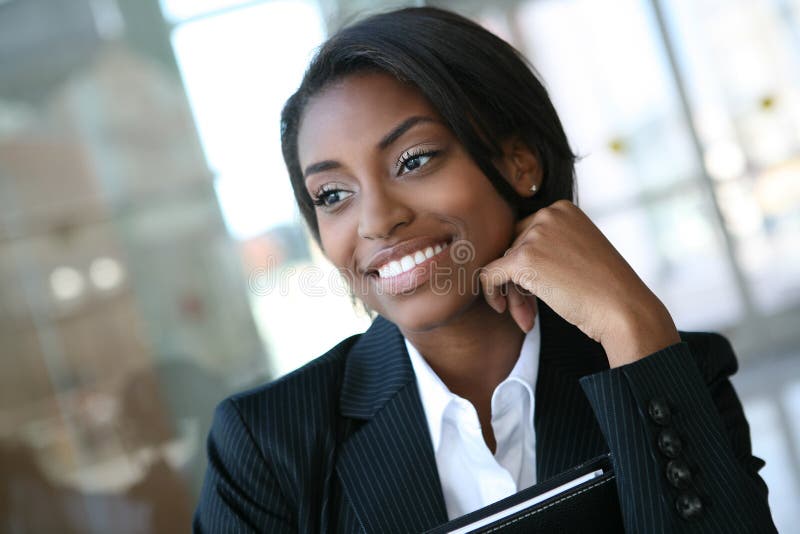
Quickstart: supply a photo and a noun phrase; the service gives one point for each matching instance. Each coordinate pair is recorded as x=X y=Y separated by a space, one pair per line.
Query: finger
x=497 y=302
x=534 y=307
x=513 y=268
x=493 y=294
x=519 y=306
x=494 y=287
x=528 y=235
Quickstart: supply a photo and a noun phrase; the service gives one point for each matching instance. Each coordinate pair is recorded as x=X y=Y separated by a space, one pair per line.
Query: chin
x=421 y=313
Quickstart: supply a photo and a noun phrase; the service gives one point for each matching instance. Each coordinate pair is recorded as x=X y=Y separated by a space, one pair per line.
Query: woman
x=512 y=341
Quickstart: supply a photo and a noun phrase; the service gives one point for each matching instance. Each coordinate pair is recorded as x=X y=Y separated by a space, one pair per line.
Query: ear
x=520 y=166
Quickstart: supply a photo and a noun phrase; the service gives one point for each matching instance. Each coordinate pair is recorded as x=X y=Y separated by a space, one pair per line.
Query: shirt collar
x=524 y=374
x=435 y=395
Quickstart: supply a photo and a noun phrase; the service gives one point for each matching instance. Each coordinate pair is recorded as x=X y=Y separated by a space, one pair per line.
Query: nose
x=382 y=212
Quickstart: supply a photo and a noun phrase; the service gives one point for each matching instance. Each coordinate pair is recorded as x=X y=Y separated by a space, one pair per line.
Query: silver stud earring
x=534 y=188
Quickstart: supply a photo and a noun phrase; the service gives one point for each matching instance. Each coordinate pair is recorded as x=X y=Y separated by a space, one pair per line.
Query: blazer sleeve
x=240 y=493
x=680 y=442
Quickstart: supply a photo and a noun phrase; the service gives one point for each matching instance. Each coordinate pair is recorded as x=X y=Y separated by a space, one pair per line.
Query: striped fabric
x=342 y=445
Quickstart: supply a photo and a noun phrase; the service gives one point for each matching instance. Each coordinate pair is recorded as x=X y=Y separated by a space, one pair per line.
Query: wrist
x=638 y=333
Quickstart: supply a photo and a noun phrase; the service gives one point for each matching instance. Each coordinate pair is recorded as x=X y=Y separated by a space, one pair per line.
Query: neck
x=473 y=353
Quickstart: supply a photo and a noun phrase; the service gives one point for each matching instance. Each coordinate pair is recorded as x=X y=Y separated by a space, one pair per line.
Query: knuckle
x=526 y=280
x=534 y=232
x=493 y=276
x=546 y=215
x=563 y=204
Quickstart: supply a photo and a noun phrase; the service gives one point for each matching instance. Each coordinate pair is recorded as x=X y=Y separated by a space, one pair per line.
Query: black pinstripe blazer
x=342 y=444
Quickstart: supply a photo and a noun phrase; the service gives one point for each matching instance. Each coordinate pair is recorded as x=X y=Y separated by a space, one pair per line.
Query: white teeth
x=409 y=261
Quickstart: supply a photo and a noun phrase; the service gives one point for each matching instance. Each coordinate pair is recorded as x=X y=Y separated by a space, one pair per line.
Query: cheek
x=489 y=218
x=496 y=230
x=337 y=242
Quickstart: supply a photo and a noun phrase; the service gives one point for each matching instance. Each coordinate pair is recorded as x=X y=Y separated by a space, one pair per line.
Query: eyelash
x=412 y=155
x=319 y=198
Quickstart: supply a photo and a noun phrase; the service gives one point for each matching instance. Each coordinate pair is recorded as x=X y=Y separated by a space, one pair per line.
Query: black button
x=678 y=474
x=670 y=442
x=689 y=506
x=659 y=412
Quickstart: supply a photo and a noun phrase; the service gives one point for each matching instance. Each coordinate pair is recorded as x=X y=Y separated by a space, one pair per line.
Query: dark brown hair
x=482 y=87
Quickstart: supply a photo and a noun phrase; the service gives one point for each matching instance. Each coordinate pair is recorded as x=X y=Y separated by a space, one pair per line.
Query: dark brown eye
x=410 y=162
x=330 y=197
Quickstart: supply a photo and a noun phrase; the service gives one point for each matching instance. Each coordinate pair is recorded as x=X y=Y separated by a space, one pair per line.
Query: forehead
x=356 y=111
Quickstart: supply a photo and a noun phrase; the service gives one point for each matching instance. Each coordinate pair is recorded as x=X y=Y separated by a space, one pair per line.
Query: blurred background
x=152 y=260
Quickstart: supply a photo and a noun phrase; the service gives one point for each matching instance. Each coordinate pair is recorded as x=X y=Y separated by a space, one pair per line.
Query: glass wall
x=124 y=311
x=152 y=260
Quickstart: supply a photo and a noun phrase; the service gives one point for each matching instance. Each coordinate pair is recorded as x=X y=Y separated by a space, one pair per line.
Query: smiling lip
x=396 y=252
x=391 y=271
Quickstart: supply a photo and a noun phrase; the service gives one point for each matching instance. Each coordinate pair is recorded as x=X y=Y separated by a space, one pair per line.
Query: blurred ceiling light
x=101 y=408
x=742 y=215
x=106 y=273
x=725 y=160
x=767 y=102
x=618 y=145
x=769 y=138
x=778 y=189
x=66 y=283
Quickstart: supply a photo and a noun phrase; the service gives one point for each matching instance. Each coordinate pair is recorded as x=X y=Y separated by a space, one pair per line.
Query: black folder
x=580 y=500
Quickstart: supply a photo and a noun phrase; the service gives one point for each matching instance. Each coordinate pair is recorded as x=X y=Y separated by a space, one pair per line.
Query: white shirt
x=471 y=476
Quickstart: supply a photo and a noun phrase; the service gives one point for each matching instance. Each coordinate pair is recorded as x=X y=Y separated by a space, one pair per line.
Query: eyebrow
x=400 y=129
x=387 y=140
x=321 y=167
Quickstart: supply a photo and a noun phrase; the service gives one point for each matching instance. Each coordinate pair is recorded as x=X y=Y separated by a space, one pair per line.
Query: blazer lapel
x=387 y=466
x=567 y=432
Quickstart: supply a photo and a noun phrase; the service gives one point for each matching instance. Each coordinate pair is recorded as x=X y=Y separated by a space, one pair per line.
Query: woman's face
x=393 y=185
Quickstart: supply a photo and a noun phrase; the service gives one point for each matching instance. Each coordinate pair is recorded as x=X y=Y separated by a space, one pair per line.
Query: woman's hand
x=562 y=258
